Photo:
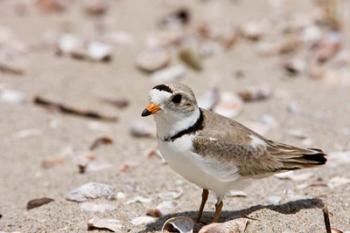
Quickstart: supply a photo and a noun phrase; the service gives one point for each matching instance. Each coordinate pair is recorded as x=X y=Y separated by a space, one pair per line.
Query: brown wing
x=229 y=142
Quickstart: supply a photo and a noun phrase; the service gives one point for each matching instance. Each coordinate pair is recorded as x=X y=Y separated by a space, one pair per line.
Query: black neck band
x=198 y=125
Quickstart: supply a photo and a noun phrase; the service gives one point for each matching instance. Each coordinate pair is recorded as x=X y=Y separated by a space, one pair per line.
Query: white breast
x=179 y=156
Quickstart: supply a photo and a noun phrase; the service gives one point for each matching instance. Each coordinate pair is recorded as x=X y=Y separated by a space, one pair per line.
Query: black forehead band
x=163 y=87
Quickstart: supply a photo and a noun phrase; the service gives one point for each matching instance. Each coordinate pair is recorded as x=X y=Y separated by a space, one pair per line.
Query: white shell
x=181 y=224
x=12 y=96
x=171 y=195
x=102 y=223
x=91 y=191
x=234 y=226
x=152 y=60
x=229 y=105
x=169 y=74
x=143 y=220
x=98 y=51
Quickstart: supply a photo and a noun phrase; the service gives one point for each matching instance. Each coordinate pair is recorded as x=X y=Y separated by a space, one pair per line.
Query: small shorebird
x=213 y=151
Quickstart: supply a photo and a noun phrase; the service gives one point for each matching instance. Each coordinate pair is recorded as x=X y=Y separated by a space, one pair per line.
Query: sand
x=82 y=83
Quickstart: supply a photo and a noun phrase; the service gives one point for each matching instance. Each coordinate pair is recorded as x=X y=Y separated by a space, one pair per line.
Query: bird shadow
x=291 y=207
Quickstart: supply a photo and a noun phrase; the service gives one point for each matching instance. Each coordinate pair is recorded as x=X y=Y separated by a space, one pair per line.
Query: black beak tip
x=145 y=113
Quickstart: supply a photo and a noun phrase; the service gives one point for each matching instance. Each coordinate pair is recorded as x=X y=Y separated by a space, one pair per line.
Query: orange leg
x=205 y=194
x=218 y=208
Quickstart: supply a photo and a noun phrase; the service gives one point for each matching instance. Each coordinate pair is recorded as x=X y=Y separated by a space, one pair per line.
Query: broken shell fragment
x=295 y=66
x=141 y=129
x=229 y=105
x=95 y=7
x=274 y=200
x=152 y=60
x=143 y=220
x=91 y=191
x=38 y=202
x=11 y=96
x=191 y=58
x=253 y=30
x=169 y=74
x=103 y=223
x=179 y=224
x=255 y=93
x=98 y=51
x=237 y=193
x=11 y=66
x=139 y=199
x=233 y=226
x=209 y=99
x=171 y=195
x=164 y=208
x=69 y=44
x=52 y=5
x=77 y=48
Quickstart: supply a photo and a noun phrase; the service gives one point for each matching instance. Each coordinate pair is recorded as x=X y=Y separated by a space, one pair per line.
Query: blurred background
x=75 y=76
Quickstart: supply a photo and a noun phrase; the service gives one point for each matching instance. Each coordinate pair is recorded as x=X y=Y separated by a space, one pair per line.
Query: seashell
x=91 y=191
x=255 y=93
x=52 y=5
x=274 y=200
x=38 y=202
x=69 y=44
x=179 y=224
x=12 y=66
x=171 y=195
x=295 y=66
x=152 y=60
x=229 y=105
x=209 y=99
x=164 y=208
x=95 y=7
x=236 y=193
x=143 y=220
x=234 y=226
x=98 y=51
x=176 y=19
x=11 y=96
x=103 y=223
x=141 y=128
x=253 y=30
x=139 y=199
x=169 y=74
x=190 y=57
x=328 y=46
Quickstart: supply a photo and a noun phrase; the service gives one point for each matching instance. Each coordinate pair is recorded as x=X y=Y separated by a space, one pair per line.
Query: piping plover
x=213 y=151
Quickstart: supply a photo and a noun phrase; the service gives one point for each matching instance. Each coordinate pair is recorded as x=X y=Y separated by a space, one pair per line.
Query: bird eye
x=176 y=98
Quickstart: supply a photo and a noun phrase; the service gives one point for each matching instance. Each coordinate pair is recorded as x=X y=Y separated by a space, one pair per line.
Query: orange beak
x=150 y=109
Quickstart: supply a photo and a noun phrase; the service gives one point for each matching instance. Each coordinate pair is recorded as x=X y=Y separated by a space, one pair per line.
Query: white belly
x=180 y=158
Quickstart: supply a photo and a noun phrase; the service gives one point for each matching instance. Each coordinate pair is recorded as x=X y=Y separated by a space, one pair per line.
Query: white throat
x=169 y=124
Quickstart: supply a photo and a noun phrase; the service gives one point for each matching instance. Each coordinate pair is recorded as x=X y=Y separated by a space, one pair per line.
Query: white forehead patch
x=158 y=97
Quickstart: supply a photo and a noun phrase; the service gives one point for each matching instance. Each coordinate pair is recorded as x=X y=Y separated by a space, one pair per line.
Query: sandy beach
x=302 y=111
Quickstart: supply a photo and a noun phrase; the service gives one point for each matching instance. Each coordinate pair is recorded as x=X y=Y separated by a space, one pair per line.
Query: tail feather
x=293 y=158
